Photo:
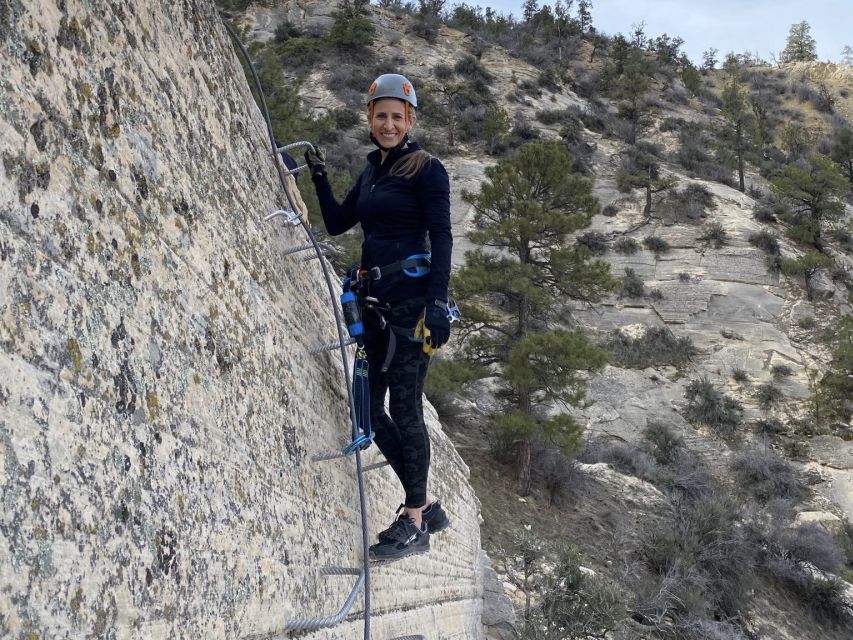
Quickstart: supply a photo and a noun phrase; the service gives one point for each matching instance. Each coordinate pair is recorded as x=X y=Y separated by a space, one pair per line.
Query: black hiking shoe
x=434 y=515
x=402 y=539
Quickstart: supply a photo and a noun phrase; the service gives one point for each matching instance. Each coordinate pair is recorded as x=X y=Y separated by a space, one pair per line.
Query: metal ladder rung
x=332 y=455
x=327 y=246
x=312 y=624
x=291 y=217
x=330 y=346
x=294 y=145
x=375 y=465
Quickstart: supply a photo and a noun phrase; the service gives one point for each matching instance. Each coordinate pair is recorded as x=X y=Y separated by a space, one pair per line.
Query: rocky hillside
x=756 y=335
x=159 y=407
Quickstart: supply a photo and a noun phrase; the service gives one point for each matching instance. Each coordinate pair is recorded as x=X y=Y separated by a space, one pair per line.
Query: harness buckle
x=375 y=273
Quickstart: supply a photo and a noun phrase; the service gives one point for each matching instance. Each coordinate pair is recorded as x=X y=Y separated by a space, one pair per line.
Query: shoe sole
x=381 y=559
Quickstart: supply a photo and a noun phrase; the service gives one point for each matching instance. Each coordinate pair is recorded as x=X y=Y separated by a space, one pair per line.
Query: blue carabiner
x=421 y=269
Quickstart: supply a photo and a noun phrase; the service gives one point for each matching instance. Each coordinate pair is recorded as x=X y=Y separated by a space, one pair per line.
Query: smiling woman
x=402 y=202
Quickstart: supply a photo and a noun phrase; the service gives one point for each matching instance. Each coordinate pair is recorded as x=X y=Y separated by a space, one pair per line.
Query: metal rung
x=294 y=145
x=327 y=246
x=331 y=346
x=313 y=624
x=313 y=256
x=340 y=571
x=332 y=455
x=360 y=443
x=375 y=465
x=291 y=217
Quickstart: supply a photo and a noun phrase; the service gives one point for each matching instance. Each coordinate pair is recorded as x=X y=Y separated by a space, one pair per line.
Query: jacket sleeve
x=338 y=218
x=435 y=198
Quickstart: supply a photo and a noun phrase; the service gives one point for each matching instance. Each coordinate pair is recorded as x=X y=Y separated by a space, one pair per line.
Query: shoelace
x=398 y=523
x=401 y=529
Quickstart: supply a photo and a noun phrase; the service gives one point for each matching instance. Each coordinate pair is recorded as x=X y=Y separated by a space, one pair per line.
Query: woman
x=401 y=197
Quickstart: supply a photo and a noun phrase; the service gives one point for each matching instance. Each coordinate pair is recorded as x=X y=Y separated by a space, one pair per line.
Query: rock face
x=159 y=408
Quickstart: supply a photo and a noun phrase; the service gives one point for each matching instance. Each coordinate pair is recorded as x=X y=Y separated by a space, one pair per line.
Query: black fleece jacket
x=396 y=215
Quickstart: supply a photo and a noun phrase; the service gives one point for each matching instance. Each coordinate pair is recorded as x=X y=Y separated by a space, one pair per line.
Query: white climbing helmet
x=392 y=85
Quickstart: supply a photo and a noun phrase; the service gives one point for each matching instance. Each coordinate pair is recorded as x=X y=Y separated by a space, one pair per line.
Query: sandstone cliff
x=158 y=405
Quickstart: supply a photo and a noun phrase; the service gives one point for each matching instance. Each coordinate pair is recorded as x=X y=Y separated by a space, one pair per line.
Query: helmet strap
x=399 y=147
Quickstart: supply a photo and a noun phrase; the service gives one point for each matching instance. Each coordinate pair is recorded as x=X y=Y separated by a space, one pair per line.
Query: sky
x=727 y=25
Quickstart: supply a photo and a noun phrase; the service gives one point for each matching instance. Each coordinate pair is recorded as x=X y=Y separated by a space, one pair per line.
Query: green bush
x=443 y=71
x=632 y=285
x=769 y=211
x=807 y=322
x=662 y=442
x=781 y=371
x=740 y=375
x=470 y=68
x=688 y=205
x=658 y=346
x=765 y=241
x=627 y=246
x=767 y=395
x=552 y=116
x=765 y=475
x=823 y=596
x=595 y=241
x=574 y=604
x=715 y=235
x=286 y=30
x=656 y=244
x=701 y=558
x=713 y=408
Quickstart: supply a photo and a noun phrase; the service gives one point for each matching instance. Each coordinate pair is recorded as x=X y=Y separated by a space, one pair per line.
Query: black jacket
x=396 y=215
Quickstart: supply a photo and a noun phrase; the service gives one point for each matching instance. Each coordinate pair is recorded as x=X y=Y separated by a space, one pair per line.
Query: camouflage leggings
x=402 y=437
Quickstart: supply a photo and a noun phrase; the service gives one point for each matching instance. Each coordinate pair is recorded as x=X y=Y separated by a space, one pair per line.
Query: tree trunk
x=523 y=472
x=741 y=185
x=647 y=210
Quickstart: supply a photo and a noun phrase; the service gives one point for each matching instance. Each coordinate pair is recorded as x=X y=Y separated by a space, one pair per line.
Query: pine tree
x=585 y=15
x=709 y=59
x=842 y=152
x=737 y=114
x=836 y=387
x=814 y=190
x=524 y=213
x=529 y=9
x=800 y=46
x=806 y=267
x=690 y=75
x=632 y=86
x=640 y=169
x=496 y=124
x=352 y=31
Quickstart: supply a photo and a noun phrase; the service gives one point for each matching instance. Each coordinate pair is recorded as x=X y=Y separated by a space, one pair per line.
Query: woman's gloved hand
x=316 y=159
x=436 y=320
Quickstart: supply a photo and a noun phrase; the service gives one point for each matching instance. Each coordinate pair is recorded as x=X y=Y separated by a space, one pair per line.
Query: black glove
x=436 y=320
x=316 y=159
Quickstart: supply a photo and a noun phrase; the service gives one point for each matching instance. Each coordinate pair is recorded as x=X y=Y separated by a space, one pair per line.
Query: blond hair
x=411 y=164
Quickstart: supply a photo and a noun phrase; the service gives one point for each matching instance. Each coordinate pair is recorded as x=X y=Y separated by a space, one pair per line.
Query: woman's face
x=389 y=124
